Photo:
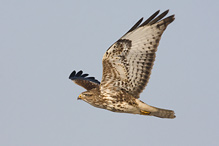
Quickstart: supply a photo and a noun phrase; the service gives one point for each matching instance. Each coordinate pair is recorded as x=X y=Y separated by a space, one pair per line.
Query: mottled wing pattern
x=84 y=81
x=127 y=63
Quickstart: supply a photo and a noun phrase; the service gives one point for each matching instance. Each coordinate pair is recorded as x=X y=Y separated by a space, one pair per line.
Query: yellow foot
x=145 y=112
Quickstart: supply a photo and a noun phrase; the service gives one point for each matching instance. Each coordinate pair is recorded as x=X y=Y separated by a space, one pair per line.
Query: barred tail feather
x=146 y=109
x=163 y=113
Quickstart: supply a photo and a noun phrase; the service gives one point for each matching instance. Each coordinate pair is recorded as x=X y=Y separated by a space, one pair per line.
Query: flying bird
x=127 y=66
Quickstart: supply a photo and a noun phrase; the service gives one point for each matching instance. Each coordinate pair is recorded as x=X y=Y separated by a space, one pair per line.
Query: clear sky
x=42 y=42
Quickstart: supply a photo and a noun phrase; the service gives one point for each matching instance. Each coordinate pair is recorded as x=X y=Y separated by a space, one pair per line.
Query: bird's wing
x=128 y=62
x=84 y=81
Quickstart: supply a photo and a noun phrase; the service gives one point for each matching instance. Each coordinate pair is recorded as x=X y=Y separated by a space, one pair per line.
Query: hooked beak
x=79 y=97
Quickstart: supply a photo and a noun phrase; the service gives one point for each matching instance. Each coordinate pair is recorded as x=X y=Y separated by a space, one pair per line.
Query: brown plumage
x=127 y=66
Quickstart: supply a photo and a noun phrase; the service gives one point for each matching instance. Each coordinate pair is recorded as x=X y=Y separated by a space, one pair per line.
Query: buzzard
x=127 y=67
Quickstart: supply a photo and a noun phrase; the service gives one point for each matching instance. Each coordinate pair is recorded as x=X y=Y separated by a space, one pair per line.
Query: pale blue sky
x=43 y=41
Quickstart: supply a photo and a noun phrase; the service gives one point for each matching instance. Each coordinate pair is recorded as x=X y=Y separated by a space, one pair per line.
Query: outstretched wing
x=84 y=81
x=127 y=63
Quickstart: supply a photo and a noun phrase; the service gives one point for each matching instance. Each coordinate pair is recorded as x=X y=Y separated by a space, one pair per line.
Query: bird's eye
x=88 y=94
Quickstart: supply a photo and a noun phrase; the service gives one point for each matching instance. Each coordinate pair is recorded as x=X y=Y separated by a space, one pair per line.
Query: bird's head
x=87 y=96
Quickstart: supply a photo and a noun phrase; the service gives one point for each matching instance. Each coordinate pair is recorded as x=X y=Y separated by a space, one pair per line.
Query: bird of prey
x=127 y=66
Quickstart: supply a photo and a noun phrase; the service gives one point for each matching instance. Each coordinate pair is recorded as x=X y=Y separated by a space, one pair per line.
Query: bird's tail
x=164 y=113
x=161 y=113
x=154 y=111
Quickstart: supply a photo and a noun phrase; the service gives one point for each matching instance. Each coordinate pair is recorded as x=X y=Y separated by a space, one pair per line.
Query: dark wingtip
x=166 y=11
x=136 y=25
x=84 y=75
x=150 y=18
x=75 y=74
x=171 y=18
x=154 y=18
x=157 y=12
x=80 y=76
x=79 y=73
x=72 y=74
x=158 y=18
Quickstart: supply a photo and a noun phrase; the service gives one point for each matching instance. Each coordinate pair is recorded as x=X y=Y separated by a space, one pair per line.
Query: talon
x=145 y=112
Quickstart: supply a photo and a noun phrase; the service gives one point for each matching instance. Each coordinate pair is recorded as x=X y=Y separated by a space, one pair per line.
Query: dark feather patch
x=151 y=20
x=80 y=76
x=158 y=18
x=136 y=25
